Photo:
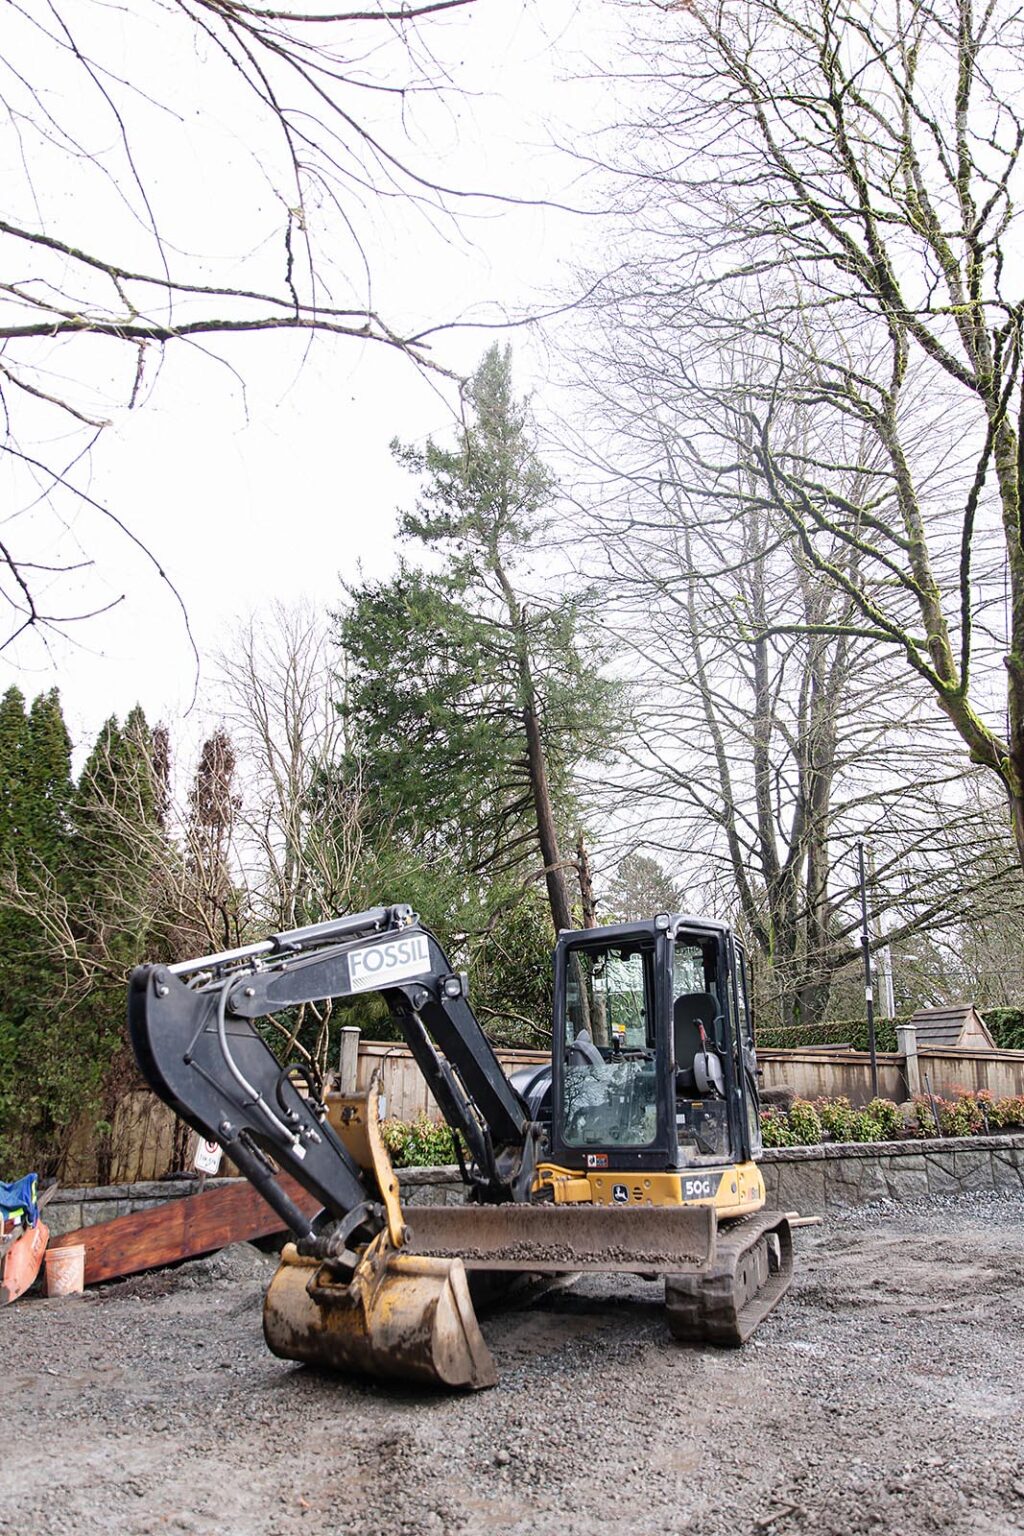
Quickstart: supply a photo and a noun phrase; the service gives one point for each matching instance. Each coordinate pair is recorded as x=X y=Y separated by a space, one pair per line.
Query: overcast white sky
x=273 y=490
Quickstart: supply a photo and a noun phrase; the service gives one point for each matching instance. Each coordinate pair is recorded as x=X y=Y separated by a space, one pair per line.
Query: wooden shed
x=959 y=1026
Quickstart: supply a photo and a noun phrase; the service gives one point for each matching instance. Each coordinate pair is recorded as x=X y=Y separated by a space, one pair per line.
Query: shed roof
x=952 y=1026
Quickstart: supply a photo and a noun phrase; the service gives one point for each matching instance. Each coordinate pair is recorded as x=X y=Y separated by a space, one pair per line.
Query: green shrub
x=923 y=1116
x=775 y=1131
x=969 y=1114
x=865 y=1127
x=836 y=1116
x=889 y=1117
x=805 y=1123
x=420 y=1143
x=961 y=1116
x=882 y=1120
x=1003 y=1113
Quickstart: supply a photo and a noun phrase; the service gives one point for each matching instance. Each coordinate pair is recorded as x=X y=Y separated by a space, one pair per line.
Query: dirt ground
x=886 y=1394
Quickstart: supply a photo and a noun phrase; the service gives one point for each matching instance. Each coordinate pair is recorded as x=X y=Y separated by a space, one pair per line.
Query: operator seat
x=695 y=1071
x=583 y=1052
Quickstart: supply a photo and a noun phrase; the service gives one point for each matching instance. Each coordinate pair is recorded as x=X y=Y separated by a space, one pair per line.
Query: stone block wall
x=811 y=1180
x=814 y=1180
x=89 y=1205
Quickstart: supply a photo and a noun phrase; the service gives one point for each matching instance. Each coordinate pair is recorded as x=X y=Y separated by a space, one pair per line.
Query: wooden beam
x=181 y=1229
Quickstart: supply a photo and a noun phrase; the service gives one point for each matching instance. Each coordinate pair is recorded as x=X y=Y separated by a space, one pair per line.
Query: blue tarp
x=21 y=1197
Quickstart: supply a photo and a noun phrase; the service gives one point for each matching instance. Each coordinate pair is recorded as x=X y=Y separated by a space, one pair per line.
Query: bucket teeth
x=400 y=1316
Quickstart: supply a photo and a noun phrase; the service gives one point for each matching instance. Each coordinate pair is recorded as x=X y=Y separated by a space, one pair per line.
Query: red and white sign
x=208 y=1156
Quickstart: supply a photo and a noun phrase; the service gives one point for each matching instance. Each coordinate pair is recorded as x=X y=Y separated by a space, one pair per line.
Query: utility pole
x=884 y=953
x=869 y=994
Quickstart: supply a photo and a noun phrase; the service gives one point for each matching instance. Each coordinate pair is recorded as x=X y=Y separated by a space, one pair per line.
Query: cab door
x=744 y=1056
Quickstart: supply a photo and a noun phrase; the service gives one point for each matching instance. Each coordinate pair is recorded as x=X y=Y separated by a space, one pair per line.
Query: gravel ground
x=884 y=1395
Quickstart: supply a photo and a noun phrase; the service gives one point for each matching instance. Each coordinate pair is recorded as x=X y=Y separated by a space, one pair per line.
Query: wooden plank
x=180 y=1229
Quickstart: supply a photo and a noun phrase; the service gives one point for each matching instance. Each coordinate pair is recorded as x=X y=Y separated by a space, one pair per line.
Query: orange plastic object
x=65 y=1270
x=20 y=1264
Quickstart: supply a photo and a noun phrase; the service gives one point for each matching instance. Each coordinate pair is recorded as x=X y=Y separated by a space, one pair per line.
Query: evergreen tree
x=641 y=889
x=213 y=807
x=472 y=689
x=13 y=752
x=35 y=878
x=84 y=898
x=122 y=864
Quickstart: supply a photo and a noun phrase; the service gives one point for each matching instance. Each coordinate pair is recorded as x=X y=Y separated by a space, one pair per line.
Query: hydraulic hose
x=254 y=1095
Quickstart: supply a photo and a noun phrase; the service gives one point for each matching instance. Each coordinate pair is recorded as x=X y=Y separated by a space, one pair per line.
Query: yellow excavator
x=634 y=1150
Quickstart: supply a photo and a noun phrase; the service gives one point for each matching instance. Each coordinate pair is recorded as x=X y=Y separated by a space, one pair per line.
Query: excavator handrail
x=373 y=920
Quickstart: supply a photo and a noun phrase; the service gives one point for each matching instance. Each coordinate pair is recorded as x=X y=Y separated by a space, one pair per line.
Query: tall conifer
x=35 y=795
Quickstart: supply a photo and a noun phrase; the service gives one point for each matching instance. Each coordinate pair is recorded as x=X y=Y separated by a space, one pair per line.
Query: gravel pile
x=884 y=1395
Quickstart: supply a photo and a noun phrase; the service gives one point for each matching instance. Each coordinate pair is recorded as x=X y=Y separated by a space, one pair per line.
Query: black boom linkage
x=192 y=1032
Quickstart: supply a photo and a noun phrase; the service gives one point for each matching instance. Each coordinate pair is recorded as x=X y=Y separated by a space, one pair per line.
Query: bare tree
x=833 y=185
x=769 y=734
x=188 y=173
x=299 y=823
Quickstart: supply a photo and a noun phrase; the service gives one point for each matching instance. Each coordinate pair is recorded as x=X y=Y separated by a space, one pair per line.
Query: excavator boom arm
x=192 y=1029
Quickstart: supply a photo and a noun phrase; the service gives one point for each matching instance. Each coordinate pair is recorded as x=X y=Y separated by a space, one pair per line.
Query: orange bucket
x=65 y=1270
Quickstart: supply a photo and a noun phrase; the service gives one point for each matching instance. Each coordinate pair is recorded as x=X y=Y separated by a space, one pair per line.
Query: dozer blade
x=400 y=1316
x=552 y=1239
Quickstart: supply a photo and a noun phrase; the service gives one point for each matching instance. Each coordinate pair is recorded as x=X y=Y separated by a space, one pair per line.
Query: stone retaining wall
x=85 y=1207
x=811 y=1180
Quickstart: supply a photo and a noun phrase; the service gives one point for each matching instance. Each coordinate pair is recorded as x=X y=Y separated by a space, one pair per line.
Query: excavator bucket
x=400 y=1315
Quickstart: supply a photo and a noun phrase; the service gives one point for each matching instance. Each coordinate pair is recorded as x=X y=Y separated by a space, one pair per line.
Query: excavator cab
x=653 y=1097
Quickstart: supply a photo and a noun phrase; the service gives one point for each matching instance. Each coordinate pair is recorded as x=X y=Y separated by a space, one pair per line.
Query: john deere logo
x=620 y=1194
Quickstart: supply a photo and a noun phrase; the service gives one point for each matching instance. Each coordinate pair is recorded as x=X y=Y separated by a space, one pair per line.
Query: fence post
x=348 y=1060
x=906 y=1046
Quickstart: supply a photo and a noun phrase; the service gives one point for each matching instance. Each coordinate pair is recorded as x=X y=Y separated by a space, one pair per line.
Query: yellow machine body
x=736 y=1190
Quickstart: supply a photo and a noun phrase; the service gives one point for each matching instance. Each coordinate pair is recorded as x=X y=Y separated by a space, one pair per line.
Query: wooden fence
x=404 y=1089
x=832 y=1074
x=146 y=1142
x=819 y=1074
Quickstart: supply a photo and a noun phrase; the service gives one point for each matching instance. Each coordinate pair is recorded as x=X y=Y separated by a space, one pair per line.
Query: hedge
x=1005 y=1025
x=852 y=1032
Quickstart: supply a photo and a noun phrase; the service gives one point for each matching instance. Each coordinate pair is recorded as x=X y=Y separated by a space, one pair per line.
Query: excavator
x=632 y=1151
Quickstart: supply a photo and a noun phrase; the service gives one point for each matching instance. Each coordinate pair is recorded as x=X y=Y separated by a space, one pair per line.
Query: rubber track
x=750 y=1275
